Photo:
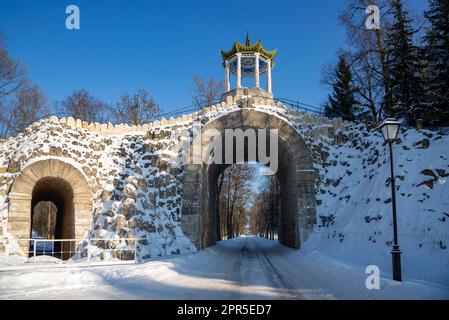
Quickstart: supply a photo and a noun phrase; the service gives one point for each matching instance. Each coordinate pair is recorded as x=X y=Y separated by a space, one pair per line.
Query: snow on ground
x=355 y=214
x=242 y=268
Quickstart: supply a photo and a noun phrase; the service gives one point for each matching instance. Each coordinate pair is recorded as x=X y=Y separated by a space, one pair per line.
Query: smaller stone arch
x=42 y=180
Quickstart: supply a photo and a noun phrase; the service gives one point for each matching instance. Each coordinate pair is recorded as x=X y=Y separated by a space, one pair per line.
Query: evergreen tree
x=342 y=102
x=437 y=54
x=405 y=69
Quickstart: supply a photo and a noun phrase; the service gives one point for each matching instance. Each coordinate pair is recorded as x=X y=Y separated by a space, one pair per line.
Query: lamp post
x=389 y=129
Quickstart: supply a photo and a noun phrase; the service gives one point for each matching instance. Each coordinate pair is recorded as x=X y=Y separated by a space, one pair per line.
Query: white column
x=228 y=76
x=239 y=70
x=269 y=76
x=256 y=72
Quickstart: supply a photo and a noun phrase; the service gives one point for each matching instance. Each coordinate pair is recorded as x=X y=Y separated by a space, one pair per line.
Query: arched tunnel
x=59 y=192
x=295 y=174
x=60 y=183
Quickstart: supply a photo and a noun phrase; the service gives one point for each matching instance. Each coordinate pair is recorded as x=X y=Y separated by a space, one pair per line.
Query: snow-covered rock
x=355 y=210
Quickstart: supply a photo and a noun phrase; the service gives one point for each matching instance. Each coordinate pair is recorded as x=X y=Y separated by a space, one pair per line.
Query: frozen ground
x=243 y=268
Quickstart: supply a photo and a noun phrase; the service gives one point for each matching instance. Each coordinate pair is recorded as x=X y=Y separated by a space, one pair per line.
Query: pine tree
x=342 y=102
x=437 y=55
x=404 y=68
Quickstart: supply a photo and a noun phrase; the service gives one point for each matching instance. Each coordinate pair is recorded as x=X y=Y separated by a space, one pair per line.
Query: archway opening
x=55 y=181
x=52 y=217
x=44 y=220
x=285 y=175
x=294 y=171
x=248 y=202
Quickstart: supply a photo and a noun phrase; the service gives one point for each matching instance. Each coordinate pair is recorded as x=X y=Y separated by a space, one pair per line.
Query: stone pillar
x=239 y=70
x=269 y=76
x=257 y=71
x=228 y=76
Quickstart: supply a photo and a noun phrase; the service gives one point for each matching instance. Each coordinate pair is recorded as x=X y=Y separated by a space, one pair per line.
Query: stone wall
x=135 y=173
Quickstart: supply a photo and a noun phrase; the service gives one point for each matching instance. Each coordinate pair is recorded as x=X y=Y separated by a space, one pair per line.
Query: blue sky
x=159 y=45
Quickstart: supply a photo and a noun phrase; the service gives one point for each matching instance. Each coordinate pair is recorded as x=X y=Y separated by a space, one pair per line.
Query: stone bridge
x=133 y=181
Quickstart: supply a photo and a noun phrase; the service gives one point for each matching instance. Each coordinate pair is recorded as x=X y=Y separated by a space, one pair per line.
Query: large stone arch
x=50 y=180
x=296 y=176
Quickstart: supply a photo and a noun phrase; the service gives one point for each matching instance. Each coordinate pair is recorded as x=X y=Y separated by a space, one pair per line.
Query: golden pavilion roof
x=249 y=48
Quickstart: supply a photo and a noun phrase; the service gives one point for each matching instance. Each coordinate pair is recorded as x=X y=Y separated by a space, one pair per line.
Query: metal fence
x=300 y=106
x=45 y=253
x=424 y=257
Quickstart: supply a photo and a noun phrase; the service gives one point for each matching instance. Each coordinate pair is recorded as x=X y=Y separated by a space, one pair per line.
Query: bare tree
x=266 y=210
x=368 y=56
x=13 y=78
x=82 y=105
x=258 y=216
x=234 y=197
x=5 y=119
x=217 y=200
x=206 y=92
x=137 y=109
x=44 y=219
x=29 y=106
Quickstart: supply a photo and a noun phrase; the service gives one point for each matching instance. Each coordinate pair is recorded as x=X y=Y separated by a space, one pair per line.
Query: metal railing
x=44 y=253
x=300 y=106
x=424 y=257
x=289 y=103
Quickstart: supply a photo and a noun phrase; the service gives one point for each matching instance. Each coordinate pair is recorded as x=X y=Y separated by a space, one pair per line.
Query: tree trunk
x=385 y=70
x=217 y=201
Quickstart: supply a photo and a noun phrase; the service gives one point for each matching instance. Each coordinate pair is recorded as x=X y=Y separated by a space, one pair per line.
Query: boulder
x=428 y=183
x=120 y=222
x=428 y=172
x=133 y=223
x=441 y=172
x=13 y=166
x=131 y=238
x=149 y=227
x=105 y=195
x=129 y=208
x=126 y=254
x=130 y=191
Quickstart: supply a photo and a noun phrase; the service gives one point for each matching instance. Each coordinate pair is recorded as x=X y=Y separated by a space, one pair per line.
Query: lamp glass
x=385 y=132
x=390 y=128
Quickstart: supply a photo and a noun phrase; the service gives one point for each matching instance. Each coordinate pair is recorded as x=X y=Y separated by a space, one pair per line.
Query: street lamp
x=389 y=129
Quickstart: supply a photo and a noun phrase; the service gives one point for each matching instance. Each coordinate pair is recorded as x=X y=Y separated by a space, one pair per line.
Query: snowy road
x=243 y=268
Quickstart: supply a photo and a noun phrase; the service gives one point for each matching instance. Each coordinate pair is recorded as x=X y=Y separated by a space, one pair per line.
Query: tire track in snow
x=257 y=272
x=277 y=277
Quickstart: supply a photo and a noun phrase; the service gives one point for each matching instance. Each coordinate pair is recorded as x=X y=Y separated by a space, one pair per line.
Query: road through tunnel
x=294 y=171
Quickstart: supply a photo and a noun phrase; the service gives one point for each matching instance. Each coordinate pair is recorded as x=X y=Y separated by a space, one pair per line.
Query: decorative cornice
x=249 y=48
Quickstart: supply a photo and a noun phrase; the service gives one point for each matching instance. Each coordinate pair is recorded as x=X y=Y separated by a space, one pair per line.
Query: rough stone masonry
x=116 y=181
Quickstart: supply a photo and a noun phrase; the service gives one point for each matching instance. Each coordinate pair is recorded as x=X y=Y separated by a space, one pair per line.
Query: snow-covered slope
x=354 y=197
